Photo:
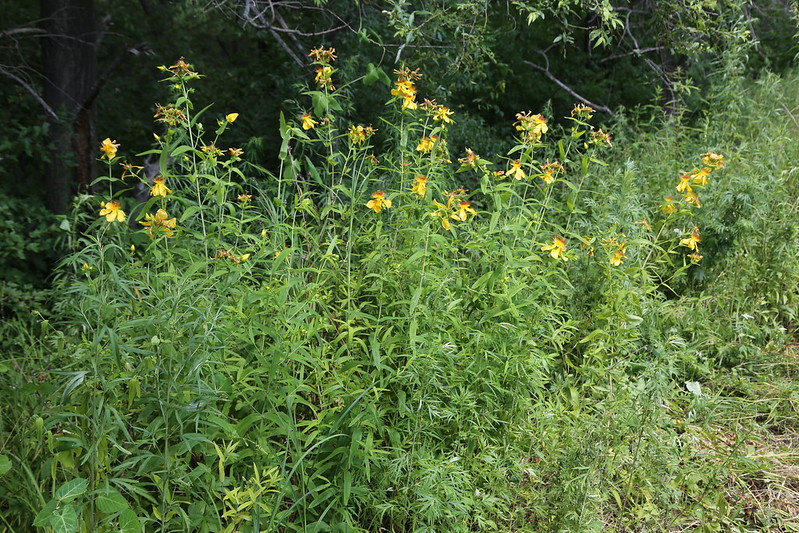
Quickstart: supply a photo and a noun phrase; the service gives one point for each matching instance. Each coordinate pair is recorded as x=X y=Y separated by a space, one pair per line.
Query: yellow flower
x=556 y=249
x=618 y=257
x=700 y=176
x=169 y=115
x=112 y=211
x=244 y=257
x=669 y=207
x=159 y=189
x=692 y=198
x=232 y=117
x=463 y=212
x=235 y=152
x=443 y=213
x=693 y=241
x=645 y=224
x=245 y=198
x=109 y=148
x=378 y=202
x=600 y=137
x=404 y=89
x=307 y=122
x=471 y=160
x=551 y=170
x=696 y=257
x=531 y=126
x=516 y=170
x=323 y=55
x=160 y=222
x=420 y=186
x=583 y=111
x=324 y=77
x=712 y=160
x=685 y=184
x=181 y=69
x=212 y=150
x=443 y=114
x=426 y=144
x=359 y=134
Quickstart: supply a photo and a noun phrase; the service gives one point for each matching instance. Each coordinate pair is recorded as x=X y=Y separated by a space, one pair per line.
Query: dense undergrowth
x=356 y=343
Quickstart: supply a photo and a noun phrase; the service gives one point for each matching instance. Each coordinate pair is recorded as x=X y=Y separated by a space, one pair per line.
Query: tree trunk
x=69 y=62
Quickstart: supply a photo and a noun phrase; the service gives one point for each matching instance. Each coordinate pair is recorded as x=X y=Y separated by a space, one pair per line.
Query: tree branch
x=31 y=90
x=568 y=89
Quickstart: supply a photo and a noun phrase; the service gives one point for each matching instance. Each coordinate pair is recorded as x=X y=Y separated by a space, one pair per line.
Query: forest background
x=399 y=266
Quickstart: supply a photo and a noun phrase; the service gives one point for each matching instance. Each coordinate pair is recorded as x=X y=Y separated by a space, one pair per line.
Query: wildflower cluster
x=440 y=113
x=322 y=57
x=405 y=88
x=358 y=134
x=456 y=209
x=620 y=250
x=532 y=127
x=689 y=182
x=169 y=115
x=181 y=71
x=696 y=178
x=159 y=224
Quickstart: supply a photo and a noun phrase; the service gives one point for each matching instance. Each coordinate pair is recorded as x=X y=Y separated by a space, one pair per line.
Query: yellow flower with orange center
x=443 y=213
x=308 y=123
x=618 y=257
x=420 y=186
x=160 y=223
x=443 y=114
x=713 y=160
x=669 y=207
x=556 y=249
x=516 y=171
x=324 y=77
x=692 y=198
x=109 y=148
x=685 y=184
x=471 y=160
x=323 y=55
x=463 y=212
x=379 y=202
x=159 y=189
x=531 y=126
x=600 y=137
x=426 y=144
x=583 y=111
x=693 y=241
x=551 y=171
x=699 y=177
x=112 y=211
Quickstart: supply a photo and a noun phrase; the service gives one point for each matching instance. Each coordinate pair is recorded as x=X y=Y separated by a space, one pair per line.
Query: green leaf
x=71 y=490
x=129 y=522
x=111 y=501
x=65 y=520
x=5 y=464
x=43 y=516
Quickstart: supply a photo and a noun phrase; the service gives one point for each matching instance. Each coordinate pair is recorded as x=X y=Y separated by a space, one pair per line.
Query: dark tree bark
x=69 y=61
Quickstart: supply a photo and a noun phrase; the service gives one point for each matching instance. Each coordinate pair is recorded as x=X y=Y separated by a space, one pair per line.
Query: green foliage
x=358 y=342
